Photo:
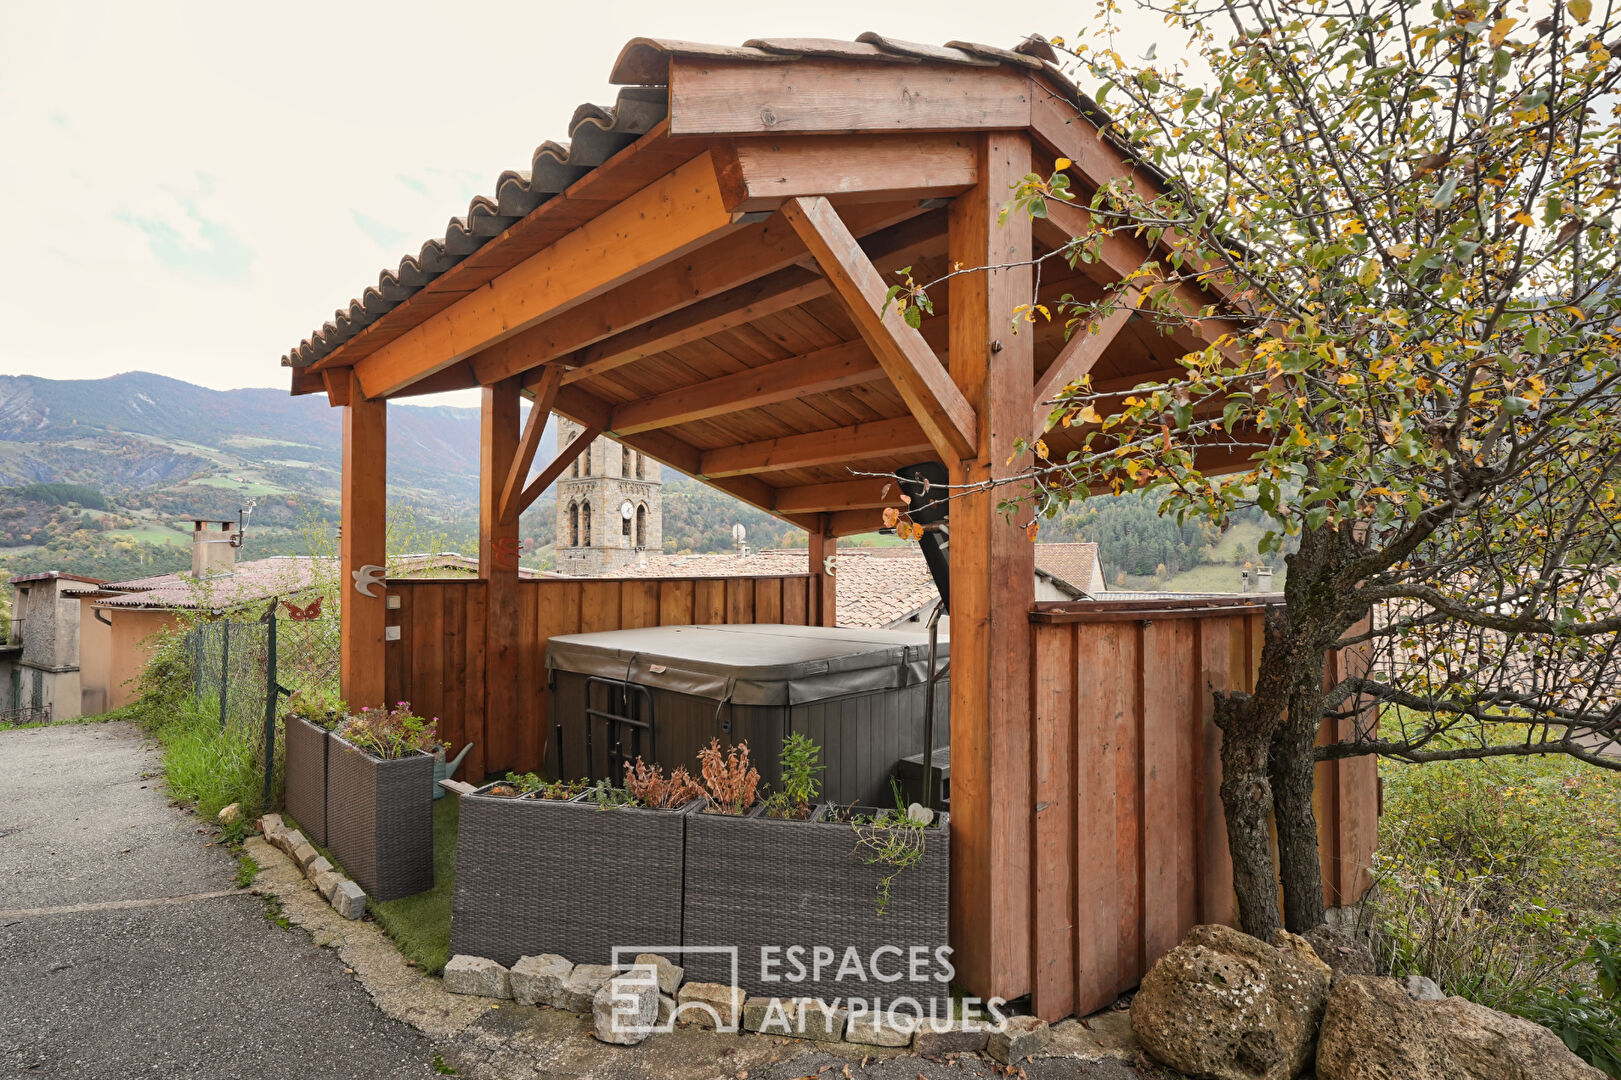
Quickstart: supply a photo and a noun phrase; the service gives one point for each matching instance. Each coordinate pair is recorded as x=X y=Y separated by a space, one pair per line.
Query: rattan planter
x=535 y=876
x=306 y=776
x=758 y=882
x=379 y=819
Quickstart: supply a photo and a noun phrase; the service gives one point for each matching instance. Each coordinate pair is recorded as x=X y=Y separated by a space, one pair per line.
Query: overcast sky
x=192 y=188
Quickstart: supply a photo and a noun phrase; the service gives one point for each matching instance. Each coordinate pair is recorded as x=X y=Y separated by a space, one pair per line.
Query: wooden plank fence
x=1129 y=838
x=439 y=662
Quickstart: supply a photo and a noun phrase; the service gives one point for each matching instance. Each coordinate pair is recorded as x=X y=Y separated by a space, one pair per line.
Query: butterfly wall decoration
x=306 y=613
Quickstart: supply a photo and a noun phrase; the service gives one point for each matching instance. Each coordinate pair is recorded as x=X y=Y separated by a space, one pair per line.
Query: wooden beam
x=759 y=173
x=866 y=493
x=455 y=377
x=1079 y=356
x=901 y=436
x=307 y=381
x=939 y=406
x=855 y=522
x=847 y=364
x=824 y=549
x=338 y=383
x=719 y=97
x=551 y=472
x=362 y=543
x=992 y=589
x=494 y=744
x=751 y=252
x=660 y=223
x=513 y=490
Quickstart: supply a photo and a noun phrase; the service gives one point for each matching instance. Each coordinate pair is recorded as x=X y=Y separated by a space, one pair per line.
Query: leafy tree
x=1397 y=217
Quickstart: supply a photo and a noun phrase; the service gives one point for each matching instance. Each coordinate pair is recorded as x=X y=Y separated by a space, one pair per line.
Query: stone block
x=767 y=1015
x=959 y=1037
x=669 y=975
x=666 y=1010
x=541 y=980
x=290 y=840
x=230 y=814
x=331 y=888
x=580 y=990
x=348 y=899
x=304 y=855
x=324 y=881
x=816 y=1019
x=319 y=865
x=478 y=976
x=1019 y=1038
x=880 y=1029
x=1422 y=988
x=269 y=824
x=626 y=1007
x=710 y=1005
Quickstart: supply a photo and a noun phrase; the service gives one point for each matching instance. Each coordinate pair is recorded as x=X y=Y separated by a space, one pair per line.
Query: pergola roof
x=694 y=273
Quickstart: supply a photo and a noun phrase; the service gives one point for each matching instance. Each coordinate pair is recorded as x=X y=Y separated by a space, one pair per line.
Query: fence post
x=272 y=689
x=225 y=669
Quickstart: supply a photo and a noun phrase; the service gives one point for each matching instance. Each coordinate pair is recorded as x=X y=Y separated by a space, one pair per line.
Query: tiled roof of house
x=1074 y=564
x=54 y=575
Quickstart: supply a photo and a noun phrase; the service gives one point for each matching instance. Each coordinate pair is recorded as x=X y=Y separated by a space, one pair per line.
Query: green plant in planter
x=391 y=733
x=605 y=795
x=894 y=840
x=801 y=762
x=322 y=708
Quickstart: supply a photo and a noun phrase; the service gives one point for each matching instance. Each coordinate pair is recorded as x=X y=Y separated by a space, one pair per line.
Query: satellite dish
x=626 y=510
x=738 y=533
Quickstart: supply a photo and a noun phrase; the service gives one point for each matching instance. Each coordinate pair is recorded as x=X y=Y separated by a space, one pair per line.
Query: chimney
x=212 y=552
x=1263 y=579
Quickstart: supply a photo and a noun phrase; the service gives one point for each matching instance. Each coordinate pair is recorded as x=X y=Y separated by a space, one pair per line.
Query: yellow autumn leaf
x=1582 y=9
x=1041 y=448
x=1369 y=274
x=1089 y=415
x=891 y=517
x=1399 y=251
x=1522 y=218
x=1063 y=163
x=1349 y=379
x=1500 y=30
x=1032 y=529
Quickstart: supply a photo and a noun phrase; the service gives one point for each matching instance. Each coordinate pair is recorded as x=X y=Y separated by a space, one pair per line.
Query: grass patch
x=204 y=766
x=420 y=924
x=246 y=870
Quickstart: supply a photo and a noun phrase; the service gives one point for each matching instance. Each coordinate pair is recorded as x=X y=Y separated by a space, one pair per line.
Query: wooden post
x=822 y=548
x=494 y=734
x=992 y=589
x=364 y=524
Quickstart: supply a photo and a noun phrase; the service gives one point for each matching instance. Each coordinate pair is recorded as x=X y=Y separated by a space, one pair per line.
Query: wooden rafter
x=912 y=366
x=1079 y=356
x=338 y=383
x=835 y=368
x=548 y=475
x=751 y=252
x=649 y=229
x=758 y=174
x=515 y=496
x=901 y=436
x=865 y=493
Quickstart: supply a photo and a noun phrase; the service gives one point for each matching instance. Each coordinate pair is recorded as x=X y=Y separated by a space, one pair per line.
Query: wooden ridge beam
x=912 y=366
x=854 y=522
x=866 y=493
x=847 y=364
x=901 y=436
x=750 y=252
x=1079 y=356
x=514 y=495
x=648 y=229
x=758 y=174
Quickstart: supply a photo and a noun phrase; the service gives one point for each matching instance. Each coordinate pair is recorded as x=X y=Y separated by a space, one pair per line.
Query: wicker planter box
x=539 y=876
x=306 y=776
x=759 y=883
x=379 y=819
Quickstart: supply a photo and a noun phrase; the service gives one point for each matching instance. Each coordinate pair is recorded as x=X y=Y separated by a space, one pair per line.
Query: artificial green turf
x=420 y=924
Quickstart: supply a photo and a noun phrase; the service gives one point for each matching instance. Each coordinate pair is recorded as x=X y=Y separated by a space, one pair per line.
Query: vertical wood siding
x=439 y=663
x=1129 y=837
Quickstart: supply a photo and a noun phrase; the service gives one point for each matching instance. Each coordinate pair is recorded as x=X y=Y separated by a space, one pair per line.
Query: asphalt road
x=127 y=952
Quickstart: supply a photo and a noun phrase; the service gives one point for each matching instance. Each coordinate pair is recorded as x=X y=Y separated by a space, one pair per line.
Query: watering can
x=443 y=769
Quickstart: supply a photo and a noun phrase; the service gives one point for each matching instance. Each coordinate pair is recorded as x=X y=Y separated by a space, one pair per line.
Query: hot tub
x=858 y=693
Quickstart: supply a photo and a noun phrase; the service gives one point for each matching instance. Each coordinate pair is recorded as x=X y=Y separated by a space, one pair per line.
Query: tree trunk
x=1246 y=796
x=1293 y=771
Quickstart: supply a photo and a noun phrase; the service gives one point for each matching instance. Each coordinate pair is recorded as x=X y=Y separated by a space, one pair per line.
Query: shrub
x=391 y=733
x=801 y=766
x=649 y=786
x=729 y=780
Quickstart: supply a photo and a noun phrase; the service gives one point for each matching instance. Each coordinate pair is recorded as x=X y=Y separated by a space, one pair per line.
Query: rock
x=881 y=1029
x=710 y=1005
x=1422 y=988
x=270 y=824
x=1373 y=1031
x=230 y=814
x=1226 y=1006
x=478 y=976
x=540 y=980
x=1018 y=1038
x=626 y=1007
x=1343 y=953
x=767 y=1015
x=348 y=899
x=331 y=889
x=289 y=840
x=304 y=854
x=666 y=1012
x=814 y=1019
x=1485 y=1044
x=324 y=881
x=669 y=975
x=319 y=865
x=958 y=1037
x=580 y=991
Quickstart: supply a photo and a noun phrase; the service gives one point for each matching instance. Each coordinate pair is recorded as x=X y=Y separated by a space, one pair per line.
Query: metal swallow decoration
x=367 y=576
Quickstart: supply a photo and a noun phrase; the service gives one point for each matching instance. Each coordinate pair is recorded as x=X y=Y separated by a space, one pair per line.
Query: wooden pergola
x=701 y=275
